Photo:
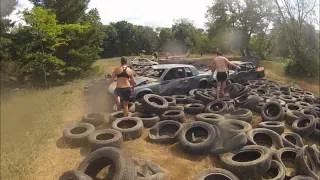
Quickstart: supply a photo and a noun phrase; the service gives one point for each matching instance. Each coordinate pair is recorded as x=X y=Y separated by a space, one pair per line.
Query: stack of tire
x=221 y=128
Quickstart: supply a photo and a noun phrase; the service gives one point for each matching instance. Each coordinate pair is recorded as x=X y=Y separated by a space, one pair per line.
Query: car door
x=191 y=81
x=171 y=81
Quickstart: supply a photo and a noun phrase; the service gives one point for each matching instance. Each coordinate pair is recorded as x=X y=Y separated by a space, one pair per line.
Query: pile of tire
x=273 y=148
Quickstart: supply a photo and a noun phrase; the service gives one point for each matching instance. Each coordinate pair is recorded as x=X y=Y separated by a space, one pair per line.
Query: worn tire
x=187 y=137
x=216 y=173
x=210 y=118
x=265 y=137
x=115 y=115
x=105 y=138
x=194 y=108
x=307 y=162
x=245 y=167
x=74 y=175
x=316 y=132
x=293 y=107
x=177 y=107
x=275 y=126
x=300 y=177
x=165 y=131
x=171 y=100
x=93 y=118
x=291 y=139
x=77 y=134
x=131 y=131
x=276 y=172
x=123 y=168
x=291 y=116
x=304 y=126
x=180 y=99
x=217 y=107
x=287 y=157
x=173 y=115
x=148 y=120
x=204 y=97
x=272 y=111
x=154 y=103
x=240 y=114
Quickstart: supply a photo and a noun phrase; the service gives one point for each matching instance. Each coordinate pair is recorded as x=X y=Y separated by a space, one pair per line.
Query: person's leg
x=125 y=108
x=218 y=89
x=223 y=87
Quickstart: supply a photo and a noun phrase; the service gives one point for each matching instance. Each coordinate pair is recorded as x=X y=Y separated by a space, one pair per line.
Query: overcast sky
x=154 y=13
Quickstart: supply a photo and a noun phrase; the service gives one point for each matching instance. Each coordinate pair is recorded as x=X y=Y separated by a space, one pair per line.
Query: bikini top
x=123 y=73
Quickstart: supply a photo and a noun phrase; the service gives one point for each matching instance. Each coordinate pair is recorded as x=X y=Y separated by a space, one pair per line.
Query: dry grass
x=31 y=144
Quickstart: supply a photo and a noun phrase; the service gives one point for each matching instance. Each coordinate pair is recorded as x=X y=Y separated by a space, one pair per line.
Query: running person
x=125 y=83
x=220 y=64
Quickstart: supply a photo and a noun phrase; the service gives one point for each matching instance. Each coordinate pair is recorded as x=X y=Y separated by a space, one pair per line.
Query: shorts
x=123 y=93
x=222 y=76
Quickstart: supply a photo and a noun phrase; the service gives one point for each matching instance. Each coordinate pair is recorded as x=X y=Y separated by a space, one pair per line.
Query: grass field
x=32 y=122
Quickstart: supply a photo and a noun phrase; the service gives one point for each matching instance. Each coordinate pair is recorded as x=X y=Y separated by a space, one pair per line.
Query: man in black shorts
x=220 y=64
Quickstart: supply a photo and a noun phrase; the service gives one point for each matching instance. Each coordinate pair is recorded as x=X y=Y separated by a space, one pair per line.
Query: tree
x=297 y=18
x=185 y=33
x=110 y=41
x=165 y=36
x=126 y=37
x=242 y=18
x=67 y=11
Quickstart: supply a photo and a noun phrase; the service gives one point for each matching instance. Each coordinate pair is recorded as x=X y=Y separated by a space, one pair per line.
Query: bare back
x=122 y=81
x=221 y=64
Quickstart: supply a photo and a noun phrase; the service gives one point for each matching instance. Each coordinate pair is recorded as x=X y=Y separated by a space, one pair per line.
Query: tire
x=147 y=170
x=316 y=132
x=265 y=137
x=165 y=131
x=192 y=92
x=236 y=126
x=171 y=100
x=74 y=175
x=231 y=136
x=300 y=177
x=307 y=163
x=105 y=138
x=180 y=99
x=293 y=107
x=77 y=134
x=122 y=167
x=210 y=118
x=291 y=116
x=116 y=115
x=240 y=114
x=309 y=111
x=204 y=97
x=275 y=126
x=178 y=107
x=276 y=172
x=288 y=98
x=272 y=111
x=194 y=108
x=189 y=141
x=252 y=101
x=291 y=139
x=191 y=100
x=173 y=115
x=94 y=118
x=148 y=120
x=258 y=107
x=287 y=157
x=239 y=101
x=154 y=103
x=308 y=99
x=303 y=126
x=131 y=131
x=243 y=165
x=216 y=173
x=217 y=107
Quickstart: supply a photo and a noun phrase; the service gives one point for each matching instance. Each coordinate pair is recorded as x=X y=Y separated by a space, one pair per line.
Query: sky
x=154 y=13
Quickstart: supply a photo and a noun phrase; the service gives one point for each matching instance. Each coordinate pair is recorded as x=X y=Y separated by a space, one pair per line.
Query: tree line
x=61 y=39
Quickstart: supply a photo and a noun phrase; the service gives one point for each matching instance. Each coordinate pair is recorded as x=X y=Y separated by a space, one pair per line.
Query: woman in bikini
x=125 y=85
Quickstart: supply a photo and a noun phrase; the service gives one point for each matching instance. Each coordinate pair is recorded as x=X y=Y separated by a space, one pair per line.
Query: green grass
x=29 y=118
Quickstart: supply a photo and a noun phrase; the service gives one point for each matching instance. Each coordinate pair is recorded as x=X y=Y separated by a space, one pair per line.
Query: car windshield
x=155 y=73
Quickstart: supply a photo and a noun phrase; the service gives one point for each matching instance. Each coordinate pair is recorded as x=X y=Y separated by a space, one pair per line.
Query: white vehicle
x=142 y=62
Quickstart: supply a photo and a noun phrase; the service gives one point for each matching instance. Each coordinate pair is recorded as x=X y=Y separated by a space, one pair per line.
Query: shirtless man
x=220 y=64
x=125 y=83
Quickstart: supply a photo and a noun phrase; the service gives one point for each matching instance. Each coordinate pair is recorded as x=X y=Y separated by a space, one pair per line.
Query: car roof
x=241 y=62
x=169 y=66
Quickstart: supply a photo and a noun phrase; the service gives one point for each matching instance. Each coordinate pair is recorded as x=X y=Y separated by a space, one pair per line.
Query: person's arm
x=231 y=64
